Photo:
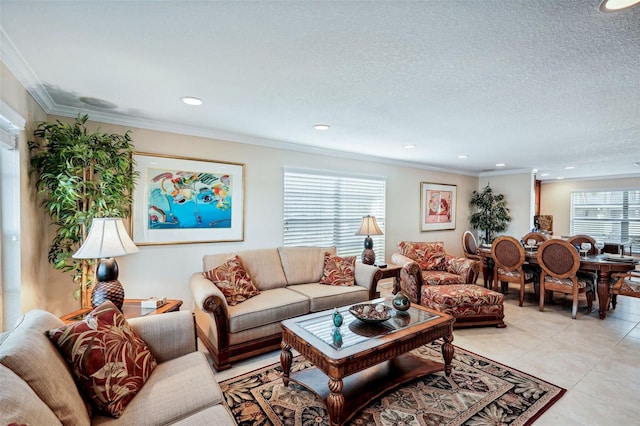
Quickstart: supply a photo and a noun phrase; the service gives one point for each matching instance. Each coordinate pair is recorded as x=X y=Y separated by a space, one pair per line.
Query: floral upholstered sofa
x=276 y=284
x=427 y=263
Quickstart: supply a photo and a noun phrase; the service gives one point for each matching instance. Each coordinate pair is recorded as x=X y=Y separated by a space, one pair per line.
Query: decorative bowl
x=371 y=312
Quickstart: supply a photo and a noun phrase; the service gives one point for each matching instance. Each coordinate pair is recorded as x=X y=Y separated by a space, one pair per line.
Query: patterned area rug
x=478 y=392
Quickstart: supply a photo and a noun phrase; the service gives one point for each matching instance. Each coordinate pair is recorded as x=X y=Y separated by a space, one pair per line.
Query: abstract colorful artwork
x=438 y=206
x=184 y=200
x=181 y=199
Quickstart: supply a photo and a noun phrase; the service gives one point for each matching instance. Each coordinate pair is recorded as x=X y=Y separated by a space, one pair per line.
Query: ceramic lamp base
x=368 y=257
x=107 y=290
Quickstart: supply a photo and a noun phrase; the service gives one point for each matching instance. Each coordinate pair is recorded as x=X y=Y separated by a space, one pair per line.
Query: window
x=324 y=209
x=610 y=215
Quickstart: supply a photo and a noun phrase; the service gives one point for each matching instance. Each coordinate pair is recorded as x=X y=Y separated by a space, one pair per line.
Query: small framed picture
x=180 y=200
x=437 y=206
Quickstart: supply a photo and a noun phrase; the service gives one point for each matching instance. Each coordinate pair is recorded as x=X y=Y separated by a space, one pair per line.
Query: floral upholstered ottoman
x=471 y=305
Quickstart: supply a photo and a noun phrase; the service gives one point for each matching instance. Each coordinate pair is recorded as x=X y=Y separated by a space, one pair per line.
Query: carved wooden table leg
x=285 y=362
x=603 y=291
x=335 y=402
x=447 y=353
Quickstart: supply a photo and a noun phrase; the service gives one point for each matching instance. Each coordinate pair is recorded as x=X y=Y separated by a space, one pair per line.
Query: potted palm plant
x=491 y=213
x=80 y=175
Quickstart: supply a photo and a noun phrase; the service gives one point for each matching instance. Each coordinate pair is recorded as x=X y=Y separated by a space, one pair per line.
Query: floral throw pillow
x=233 y=280
x=110 y=363
x=339 y=270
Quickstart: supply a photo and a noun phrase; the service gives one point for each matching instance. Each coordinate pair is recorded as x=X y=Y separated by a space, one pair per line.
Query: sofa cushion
x=218 y=415
x=323 y=297
x=20 y=404
x=266 y=308
x=338 y=270
x=110 y=362
x=429 y=255
x=233 y=280
x=302 y=265
x=56 y=388
x=176 y=389
x=442 y=278
x=263 y=266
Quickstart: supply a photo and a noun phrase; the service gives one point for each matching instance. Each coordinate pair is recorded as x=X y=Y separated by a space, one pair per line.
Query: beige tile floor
x=597 y=361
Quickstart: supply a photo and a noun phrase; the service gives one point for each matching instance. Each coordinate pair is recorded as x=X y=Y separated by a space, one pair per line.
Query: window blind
x=323 y=209
x=609 y=215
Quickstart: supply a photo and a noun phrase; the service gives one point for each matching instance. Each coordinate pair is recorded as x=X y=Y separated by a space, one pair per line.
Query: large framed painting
x=437 y=206
x=180 y=200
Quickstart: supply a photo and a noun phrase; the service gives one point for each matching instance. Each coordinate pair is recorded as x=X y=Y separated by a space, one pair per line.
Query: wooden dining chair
x=624 y=284
x=560 y=262
x=538 y=236
x=509 y=256
x=470 y=249
x=577 y=240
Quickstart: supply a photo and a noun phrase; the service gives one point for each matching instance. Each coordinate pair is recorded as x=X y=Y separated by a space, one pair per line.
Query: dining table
x=603 y=265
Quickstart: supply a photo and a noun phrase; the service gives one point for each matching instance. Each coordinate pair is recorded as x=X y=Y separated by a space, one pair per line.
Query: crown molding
x=169 y=127
x=23 y=72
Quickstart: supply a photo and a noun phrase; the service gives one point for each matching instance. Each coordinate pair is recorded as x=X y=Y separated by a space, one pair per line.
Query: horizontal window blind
x=326 y=210
x=608 y=215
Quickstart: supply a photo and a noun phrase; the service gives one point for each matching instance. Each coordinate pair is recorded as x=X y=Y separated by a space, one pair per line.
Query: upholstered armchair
x=427 y=263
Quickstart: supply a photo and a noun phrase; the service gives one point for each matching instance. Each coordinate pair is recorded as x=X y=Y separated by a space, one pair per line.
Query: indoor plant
x=491 y=213
x=81 y=175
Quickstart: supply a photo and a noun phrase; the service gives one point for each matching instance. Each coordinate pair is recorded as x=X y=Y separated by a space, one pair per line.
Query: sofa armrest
x=364 y=278
x=410 y=276
x=213 y=308
x=468 y=268
x=169 y=335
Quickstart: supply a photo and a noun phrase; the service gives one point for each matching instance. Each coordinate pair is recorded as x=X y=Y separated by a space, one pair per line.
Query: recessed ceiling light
x=192 y=101
x=544 y=174
x=570 y=167
x=534 y=171
x=500 y=164
x=410 y=146
x=559 y=178
x=616 y=5
x=463 y=156
x=321 y=127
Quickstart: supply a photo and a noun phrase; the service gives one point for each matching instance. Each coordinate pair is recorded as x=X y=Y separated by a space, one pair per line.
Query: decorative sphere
x=401 y=302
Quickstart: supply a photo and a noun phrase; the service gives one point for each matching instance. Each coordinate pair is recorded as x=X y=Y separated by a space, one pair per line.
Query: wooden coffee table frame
x=347 y=379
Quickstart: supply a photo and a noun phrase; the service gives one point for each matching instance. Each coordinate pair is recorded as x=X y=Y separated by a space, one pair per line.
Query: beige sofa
x=287 y=278
x=38 y=388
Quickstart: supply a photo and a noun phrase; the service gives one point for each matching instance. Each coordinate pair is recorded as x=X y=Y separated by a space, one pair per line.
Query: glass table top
x=354 y=331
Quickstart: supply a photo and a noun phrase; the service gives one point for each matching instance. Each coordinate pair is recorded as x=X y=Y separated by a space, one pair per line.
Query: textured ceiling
x=533 y=84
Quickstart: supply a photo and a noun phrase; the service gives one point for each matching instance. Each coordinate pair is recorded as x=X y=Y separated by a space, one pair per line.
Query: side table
x=391 y=271
x=131 y=309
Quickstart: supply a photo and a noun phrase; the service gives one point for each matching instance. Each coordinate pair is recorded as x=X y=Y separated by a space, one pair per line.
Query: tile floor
x=597 y=361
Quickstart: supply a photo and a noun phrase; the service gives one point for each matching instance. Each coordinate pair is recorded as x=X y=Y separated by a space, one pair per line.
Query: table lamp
x=368 y=227
x=107 y=239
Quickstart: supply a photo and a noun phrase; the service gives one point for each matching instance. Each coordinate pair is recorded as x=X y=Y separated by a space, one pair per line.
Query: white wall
x=164 y=270
x=32 y=225
x=555 y=197
x=519 y=193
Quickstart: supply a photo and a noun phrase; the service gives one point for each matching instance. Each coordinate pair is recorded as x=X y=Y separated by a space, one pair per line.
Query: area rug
x=478 y=392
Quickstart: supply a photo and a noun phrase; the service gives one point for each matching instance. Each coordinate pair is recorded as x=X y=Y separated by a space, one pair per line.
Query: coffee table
x=364 y=360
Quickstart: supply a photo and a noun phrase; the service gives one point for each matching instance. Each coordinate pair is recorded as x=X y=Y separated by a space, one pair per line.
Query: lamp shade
x=107 y=238
x=369 y=226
